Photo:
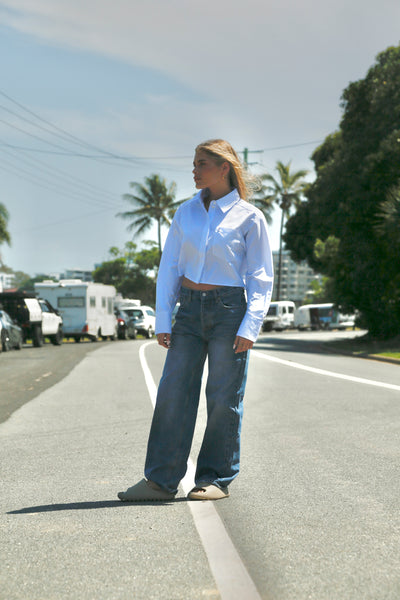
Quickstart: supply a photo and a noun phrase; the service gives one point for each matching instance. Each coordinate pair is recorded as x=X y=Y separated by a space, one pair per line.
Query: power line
x=48 y=185
x=62 y=221
x=67 y=177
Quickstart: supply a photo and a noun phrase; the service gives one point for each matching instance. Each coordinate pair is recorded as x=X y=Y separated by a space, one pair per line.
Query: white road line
x=295 y=365
x=230 y=574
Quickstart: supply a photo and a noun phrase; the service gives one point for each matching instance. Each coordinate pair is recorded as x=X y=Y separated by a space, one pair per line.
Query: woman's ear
x=225 y=168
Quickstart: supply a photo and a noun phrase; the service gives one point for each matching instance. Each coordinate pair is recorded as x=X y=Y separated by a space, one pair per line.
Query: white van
x=280 y=316
x=87 y=308
x=322 y=316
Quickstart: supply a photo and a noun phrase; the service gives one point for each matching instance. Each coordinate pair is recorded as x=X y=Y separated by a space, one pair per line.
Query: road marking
x=295 y=365
x=230 y=574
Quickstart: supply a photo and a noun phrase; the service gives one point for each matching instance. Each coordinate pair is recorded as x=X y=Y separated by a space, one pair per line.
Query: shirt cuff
x=250 y=327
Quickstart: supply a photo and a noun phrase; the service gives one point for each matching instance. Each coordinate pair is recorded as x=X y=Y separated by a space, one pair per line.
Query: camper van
x=87 y=308
x=280 y=316
x=322 y=316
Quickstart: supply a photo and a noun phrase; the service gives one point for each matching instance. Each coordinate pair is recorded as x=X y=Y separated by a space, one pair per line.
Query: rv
x=280 y=316
x=87 y=308
x=322 y=316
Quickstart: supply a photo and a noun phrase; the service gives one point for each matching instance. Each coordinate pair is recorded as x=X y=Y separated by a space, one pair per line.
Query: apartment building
x=295 y=278
x=6 y=281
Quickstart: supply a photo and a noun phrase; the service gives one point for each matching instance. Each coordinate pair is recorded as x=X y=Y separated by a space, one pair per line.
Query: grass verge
x=366 y=346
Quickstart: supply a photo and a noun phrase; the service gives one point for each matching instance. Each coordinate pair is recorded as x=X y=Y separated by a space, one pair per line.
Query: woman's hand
x=164 y=339
x=242 y=344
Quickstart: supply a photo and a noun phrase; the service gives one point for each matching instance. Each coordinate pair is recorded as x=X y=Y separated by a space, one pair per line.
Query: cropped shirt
x=227 y=245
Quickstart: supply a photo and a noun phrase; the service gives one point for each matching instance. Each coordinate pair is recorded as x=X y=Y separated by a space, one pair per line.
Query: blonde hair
x=239 y=177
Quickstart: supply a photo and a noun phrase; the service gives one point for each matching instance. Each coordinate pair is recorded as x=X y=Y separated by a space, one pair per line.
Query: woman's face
x=206 y=172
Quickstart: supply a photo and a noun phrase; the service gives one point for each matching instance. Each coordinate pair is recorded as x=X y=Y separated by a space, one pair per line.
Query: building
x=81 y=274
x=295 y=278
x=6 y=281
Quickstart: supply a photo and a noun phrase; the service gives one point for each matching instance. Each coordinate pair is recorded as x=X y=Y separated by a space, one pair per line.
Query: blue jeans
x=206 y=325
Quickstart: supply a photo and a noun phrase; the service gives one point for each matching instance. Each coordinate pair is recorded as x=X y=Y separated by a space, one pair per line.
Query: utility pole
x=246 y=153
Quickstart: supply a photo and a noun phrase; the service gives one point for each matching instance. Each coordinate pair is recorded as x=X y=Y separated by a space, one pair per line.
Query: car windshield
x=134 y=313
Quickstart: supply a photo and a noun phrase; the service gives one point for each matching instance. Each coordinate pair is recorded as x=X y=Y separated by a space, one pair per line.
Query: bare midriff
x=204 y=287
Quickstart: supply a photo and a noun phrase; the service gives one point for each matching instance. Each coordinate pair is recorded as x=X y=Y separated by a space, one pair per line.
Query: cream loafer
x=208 y=492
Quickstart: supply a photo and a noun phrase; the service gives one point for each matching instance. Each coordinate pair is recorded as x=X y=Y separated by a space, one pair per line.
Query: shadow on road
x=291 y=345
x=89 y=506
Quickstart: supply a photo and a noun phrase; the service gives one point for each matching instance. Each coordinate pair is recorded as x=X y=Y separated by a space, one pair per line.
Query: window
x=150 y=312
x=93 y=301
x=44 y=306
x=71 y=302
x=103 y=302
x=110 y=306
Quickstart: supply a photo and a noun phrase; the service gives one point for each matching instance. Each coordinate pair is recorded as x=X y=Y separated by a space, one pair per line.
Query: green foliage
x=128 y=271
x=4 y=234
x=27 y=283
x=355 y=199
x=285 y=191
x=322 y=291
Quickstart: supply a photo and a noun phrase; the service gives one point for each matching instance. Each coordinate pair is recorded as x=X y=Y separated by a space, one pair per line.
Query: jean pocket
x=184 y=300
x=231 y=302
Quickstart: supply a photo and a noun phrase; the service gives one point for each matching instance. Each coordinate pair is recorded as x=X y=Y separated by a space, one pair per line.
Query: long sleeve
x=259 y=277
x=168 y=280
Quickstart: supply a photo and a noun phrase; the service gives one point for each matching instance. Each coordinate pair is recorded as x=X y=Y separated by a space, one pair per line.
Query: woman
x=216 y=256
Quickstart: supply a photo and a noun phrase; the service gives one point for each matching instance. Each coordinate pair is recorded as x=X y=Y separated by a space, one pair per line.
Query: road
x=25 y=374
x=314 y=513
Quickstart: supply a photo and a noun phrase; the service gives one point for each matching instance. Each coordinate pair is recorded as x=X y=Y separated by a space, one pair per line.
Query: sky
x=97 y=94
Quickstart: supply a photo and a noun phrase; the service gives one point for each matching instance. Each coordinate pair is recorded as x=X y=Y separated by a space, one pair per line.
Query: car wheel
x=77 y=339
x=149 y=333
x=57 y=338
x=37 y=336
x=19 y=343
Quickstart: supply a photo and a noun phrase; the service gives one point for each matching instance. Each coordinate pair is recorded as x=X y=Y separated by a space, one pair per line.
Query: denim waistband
x=219 y=292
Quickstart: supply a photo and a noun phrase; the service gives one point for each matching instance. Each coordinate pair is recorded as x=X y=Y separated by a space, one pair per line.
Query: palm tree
x=265 y=202
x=286 y=192
x=155 y=201
x=4 y=234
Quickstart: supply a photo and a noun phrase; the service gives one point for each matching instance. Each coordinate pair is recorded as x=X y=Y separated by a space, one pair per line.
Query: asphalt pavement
x=314 y=513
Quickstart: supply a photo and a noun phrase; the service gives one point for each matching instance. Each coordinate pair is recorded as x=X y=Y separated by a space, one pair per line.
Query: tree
x=4 y=234
x=128 y=271
x=355 y=200
x=285 y=191
x=155 y=201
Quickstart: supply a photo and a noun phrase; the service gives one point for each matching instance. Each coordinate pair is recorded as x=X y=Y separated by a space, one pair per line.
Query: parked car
x=10 y=333
x=52 y=324
x=280 y=316
x=126 y=325
x=145 y=319
x=36 y=322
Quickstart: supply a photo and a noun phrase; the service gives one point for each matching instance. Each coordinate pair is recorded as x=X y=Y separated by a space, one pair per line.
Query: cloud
x=284 y=63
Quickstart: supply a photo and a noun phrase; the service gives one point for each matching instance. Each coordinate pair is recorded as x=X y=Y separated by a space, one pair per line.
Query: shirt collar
x=226 y=202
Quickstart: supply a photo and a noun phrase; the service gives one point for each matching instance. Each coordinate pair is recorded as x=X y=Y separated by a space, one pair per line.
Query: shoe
x=144 y=491
x=208 y=492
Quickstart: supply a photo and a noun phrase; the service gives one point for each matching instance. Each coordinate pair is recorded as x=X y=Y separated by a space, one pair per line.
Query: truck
x=322 y=316
x=280 y=316
x=37 y=318
x=87 y=308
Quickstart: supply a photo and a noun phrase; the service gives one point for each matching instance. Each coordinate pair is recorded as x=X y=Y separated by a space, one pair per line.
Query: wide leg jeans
x=206 y=326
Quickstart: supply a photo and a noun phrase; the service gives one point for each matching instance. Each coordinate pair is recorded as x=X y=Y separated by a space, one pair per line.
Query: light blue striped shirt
x=228 y=245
